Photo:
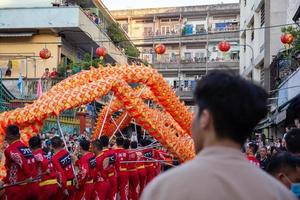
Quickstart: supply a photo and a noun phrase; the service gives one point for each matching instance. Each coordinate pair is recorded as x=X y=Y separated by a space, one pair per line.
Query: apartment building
x=191 y=35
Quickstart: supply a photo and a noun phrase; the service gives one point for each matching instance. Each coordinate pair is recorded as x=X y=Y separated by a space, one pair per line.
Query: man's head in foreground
x=228 y=109
x=285 y=167
x=292 y=139
x=293 y=112
x=12 y=133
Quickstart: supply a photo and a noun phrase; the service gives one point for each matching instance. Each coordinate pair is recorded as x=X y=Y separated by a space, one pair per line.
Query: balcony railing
x=29 y=87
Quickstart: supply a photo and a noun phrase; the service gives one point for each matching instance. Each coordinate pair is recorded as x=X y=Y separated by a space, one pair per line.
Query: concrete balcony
x=197 y=66
x=199 y=38
x=70 y=22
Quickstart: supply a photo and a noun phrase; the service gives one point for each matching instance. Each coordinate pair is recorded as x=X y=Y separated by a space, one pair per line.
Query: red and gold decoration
x=101 y=52
x=224 y=46
x=287 y=38
x=45 y=54
x=170 y=125
x=160 y=49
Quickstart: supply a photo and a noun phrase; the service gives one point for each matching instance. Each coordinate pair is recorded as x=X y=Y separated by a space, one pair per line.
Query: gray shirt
x=217 y=173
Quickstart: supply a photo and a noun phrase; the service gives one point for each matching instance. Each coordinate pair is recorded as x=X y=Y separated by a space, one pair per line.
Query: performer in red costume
x=48 y=186
x=148 y=154
x=86 y=165
x=63 y=166
x=157 y=165
x=122 y=155
x=21 y=166
x=100 y=178
x=134 y=175
x=112 y=174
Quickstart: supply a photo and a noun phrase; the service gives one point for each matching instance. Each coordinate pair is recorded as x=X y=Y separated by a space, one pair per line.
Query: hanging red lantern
x=101 y=52
x=287 y=38
x=160 y=49
x=45 y=54
x=224 y=46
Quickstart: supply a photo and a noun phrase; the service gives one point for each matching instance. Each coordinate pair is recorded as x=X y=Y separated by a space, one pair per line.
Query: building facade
x=69 y=31
x=260 y=23
x=190 y=34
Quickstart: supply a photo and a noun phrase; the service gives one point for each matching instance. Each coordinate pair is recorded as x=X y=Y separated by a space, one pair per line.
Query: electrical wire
x=159 y=38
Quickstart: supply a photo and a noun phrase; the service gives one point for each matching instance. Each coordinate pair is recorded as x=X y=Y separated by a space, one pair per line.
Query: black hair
x=236 y=105
x=293 y=111
x=119 y=141
x=283 y=162
x=126 y=144
x=97 y=144
x=133 y=144
x=56 y=142
x=292 y=140
x=35 y=142
x=253 y=147
x=104 y=140
x=12 y=132
x=84 y=144
x=143 y=142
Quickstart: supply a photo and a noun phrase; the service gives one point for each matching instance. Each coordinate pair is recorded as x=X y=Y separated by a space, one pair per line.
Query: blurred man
x=285 y=167
x=86 y=165
x=263 y=158
x=100 y=179
x=122 y=156
x=292 y=139
x=62 y=163
x=48 y=186
x=228 y=109
x=134 y=176
x=21 y=166
x=110 y=154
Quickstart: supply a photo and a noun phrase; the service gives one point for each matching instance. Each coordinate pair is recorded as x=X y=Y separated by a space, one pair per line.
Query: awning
x=5 y=35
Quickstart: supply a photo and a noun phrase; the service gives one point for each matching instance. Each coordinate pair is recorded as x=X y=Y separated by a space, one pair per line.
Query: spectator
x=292 y=140
x=46 y=74
x=8 y=71
x=263 y=158
x=293 y=112
x=53 y=74
x=285 y=167
x=220 y=171
x=250 y=152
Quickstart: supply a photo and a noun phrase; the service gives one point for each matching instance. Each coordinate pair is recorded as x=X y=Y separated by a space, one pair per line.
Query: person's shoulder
x=168 y=184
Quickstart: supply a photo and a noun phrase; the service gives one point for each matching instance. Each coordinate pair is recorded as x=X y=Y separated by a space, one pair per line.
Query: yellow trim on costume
x=48 y=182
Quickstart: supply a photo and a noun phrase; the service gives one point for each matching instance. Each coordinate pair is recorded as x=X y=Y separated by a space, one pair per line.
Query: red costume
x=157 y=165
x=134 y=178
x=48 y=186
x=149 y=156
x=20 y=165
x=100 y=178
x=111 y=173
x=63 y=166
x=86 y=165
x=142 y=172
x=123 y=176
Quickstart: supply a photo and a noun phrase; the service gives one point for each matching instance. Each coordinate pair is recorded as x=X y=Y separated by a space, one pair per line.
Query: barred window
x=262 y=15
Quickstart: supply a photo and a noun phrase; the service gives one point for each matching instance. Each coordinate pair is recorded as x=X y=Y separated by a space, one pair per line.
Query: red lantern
x=160 y=49
x=287 y=38
x=101 y=52
x=224 y=46
x=45 y=54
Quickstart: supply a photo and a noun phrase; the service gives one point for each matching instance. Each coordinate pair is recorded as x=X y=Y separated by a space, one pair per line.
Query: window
x=187 y=56
x=200 y=28
x=252 y=30
x=148 y=31
x=245 y=3
x=165 y=30
x=262 y=15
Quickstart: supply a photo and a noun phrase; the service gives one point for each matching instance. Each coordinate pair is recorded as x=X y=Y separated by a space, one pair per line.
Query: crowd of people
x=94 y=170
